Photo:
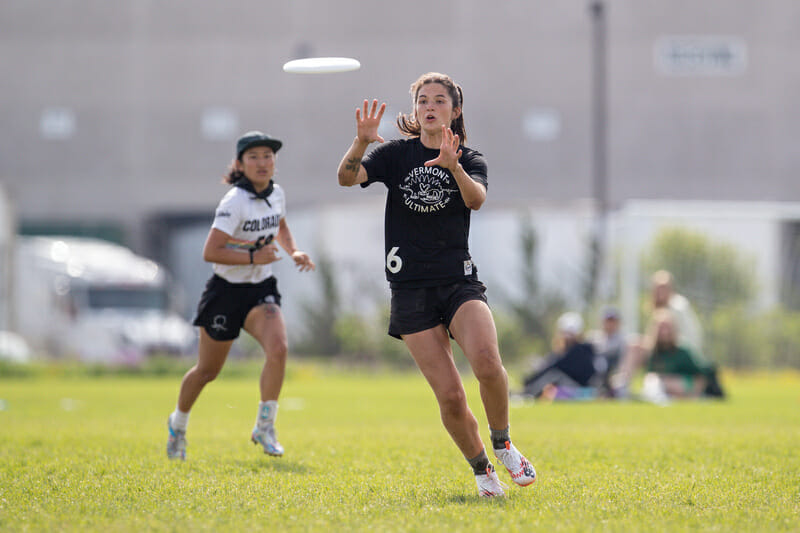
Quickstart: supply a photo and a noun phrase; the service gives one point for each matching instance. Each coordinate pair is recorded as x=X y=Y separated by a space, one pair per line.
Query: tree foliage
x=712 y=274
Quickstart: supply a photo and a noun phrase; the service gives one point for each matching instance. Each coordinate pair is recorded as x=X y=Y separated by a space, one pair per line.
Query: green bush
x=711 y=274
x=515 y=343
x=740 y=339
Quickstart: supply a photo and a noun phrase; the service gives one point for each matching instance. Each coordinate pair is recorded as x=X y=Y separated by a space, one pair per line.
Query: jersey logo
x=218 y=323
x=427 y=189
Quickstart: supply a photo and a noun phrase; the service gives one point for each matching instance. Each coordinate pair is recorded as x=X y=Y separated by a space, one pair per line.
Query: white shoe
x=653 y=390
x=521 y=470
x=265 y=436
x=489 y=485
x=176 y=443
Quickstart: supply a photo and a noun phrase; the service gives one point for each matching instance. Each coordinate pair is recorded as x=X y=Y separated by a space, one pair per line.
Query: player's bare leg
x=210 y=360
x=265 y=323
x=474 y=330
x=434 y=357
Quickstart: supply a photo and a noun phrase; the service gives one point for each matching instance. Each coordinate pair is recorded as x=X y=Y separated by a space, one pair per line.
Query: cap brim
x=274 y=144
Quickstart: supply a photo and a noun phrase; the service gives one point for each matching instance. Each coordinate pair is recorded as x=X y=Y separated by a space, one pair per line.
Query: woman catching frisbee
x=243 y=293
x=433 y=184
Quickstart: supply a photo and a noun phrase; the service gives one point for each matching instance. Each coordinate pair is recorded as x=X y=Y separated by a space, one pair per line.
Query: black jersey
x=426 y=224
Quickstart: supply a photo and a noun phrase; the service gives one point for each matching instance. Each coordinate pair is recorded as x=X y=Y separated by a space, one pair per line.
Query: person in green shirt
x=682 y=372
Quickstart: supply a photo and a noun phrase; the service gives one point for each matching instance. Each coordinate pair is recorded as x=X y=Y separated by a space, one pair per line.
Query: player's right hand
x=367 y=123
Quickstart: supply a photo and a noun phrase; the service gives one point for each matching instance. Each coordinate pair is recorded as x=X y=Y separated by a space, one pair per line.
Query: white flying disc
x=321 y=65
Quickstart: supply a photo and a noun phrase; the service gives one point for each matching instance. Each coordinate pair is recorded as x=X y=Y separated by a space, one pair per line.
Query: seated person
x=610 y=345
x=673 y=370
x=571 y=368
x=663 y=298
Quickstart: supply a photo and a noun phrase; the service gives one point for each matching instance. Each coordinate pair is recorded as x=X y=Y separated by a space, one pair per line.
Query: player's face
x=258 y=165
x=434 y=108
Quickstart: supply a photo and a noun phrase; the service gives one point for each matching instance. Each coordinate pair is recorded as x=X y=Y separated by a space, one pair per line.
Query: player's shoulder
x=234 y=194
x=396 y=144
x=471 y=153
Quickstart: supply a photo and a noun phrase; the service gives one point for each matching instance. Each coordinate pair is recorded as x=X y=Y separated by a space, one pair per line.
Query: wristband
x=252 y=251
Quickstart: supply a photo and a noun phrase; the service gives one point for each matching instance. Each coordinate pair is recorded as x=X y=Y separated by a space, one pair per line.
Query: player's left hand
x=303 y=261
x=449 y=153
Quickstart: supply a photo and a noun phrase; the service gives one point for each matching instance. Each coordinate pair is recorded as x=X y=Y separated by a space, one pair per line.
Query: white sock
x=179 y=419
x=267 y=411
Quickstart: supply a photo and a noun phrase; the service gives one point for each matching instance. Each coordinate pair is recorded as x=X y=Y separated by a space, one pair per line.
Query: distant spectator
x=673 y=370
x=610 y=347
x=664 y=296
x=572 y=370
x=690 y=336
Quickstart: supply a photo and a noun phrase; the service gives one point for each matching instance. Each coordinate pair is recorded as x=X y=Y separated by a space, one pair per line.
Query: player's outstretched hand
x=367 y=123
x=303 y=261
x=448 y=151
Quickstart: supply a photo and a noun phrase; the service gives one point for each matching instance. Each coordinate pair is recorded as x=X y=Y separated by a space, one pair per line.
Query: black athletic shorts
x=414 y=310
x=224 y=305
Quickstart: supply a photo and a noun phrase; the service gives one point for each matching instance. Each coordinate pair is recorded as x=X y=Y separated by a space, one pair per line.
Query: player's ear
x=456 y=112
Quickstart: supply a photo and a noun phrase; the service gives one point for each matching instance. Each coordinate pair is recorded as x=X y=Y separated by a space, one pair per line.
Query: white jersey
x=246 y=219
x=690 y=333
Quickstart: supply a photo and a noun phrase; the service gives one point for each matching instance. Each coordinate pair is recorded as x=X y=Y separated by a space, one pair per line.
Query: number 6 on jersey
x=393 y=261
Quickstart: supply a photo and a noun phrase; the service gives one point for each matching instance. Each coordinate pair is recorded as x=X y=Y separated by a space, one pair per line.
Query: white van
x=94 y=300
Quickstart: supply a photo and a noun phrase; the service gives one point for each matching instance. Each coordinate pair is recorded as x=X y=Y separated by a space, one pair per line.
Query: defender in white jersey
x=433 y=184
x=243 y=293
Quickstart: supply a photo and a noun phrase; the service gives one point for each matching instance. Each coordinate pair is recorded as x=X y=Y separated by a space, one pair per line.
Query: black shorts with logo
x=414 y=310
x=224 y=306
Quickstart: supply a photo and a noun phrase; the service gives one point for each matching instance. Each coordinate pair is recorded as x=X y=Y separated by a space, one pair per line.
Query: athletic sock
x=499 y=438
x=267 y=411
x=179 y=420
x=479 y=463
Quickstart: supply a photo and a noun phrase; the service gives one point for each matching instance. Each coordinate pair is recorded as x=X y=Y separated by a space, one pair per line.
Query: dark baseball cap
x=256 y=138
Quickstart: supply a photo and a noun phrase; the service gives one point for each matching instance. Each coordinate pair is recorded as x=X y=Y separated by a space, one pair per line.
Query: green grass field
x=366 y=451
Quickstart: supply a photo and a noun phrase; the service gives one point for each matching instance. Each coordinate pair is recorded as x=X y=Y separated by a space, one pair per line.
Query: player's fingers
x=381 y=110
x=374 y=107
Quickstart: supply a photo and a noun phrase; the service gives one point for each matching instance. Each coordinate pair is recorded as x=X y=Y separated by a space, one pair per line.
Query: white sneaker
x=265 y=436
x=176 y=443
x=489 y=485
x=521 y=470
x=653 y=390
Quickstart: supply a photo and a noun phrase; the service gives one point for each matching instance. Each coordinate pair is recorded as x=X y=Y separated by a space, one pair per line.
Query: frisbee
x=321 y=65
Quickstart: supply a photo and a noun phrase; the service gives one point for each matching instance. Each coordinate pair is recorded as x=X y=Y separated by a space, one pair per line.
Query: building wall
x=103 y=104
